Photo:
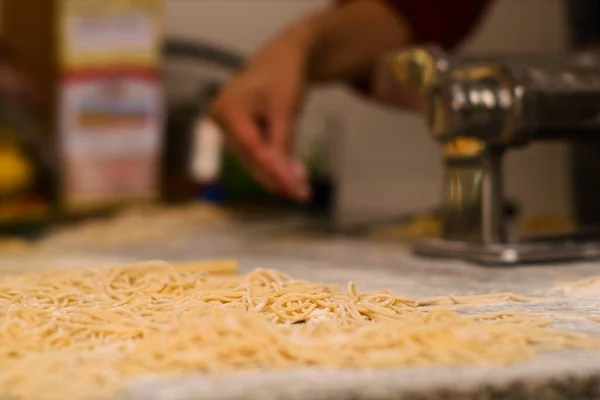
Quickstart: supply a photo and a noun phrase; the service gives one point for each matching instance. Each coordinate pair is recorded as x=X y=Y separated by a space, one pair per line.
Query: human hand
x=257 y=111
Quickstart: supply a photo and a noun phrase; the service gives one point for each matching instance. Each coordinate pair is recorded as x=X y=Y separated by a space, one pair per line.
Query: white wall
x=388 y=163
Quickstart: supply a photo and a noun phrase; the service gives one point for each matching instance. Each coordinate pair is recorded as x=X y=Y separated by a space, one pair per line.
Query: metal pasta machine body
x=480 y=108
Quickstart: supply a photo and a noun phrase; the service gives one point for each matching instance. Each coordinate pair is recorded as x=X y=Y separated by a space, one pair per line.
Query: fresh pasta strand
x=585 y=282
x=83 y=333
x=139 y=225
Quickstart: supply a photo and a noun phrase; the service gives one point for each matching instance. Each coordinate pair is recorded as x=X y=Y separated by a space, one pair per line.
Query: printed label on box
x=110 y=139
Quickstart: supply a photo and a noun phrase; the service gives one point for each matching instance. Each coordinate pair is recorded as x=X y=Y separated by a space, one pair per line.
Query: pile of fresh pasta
x=85 y=333
x=138 y=225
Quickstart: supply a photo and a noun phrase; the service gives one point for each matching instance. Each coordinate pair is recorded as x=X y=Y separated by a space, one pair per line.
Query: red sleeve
x=444 y=22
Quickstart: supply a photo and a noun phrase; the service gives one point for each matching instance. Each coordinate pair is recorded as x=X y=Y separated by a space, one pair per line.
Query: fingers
x=280 y=120
x=244 y=138
x=300 y=175
x=280 y=132
x=282 y=116
x=265 y=162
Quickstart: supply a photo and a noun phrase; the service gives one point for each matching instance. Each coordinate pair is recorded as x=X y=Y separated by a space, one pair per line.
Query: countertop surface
x=286 y=245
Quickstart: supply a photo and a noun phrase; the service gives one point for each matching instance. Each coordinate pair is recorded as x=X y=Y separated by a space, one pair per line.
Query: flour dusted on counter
x=84 y=333
x=584 y=287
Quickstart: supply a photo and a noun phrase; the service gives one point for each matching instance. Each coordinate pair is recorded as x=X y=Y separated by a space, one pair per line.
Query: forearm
x=344 y=43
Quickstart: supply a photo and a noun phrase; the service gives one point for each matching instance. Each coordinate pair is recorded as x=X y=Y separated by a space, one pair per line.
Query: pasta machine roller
x=478 y=109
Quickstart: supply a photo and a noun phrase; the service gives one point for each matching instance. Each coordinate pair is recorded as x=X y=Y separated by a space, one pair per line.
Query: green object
x=239 y=185
x=315 y=161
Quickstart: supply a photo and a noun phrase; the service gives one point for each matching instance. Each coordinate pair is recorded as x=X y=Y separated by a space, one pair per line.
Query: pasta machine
x=480 y=108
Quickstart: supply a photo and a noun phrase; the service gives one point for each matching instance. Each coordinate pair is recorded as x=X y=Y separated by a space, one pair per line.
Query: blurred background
x=117 y=93
x=384 y=161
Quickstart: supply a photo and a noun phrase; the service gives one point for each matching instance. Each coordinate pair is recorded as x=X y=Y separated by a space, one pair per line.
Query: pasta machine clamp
x=480 y=108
